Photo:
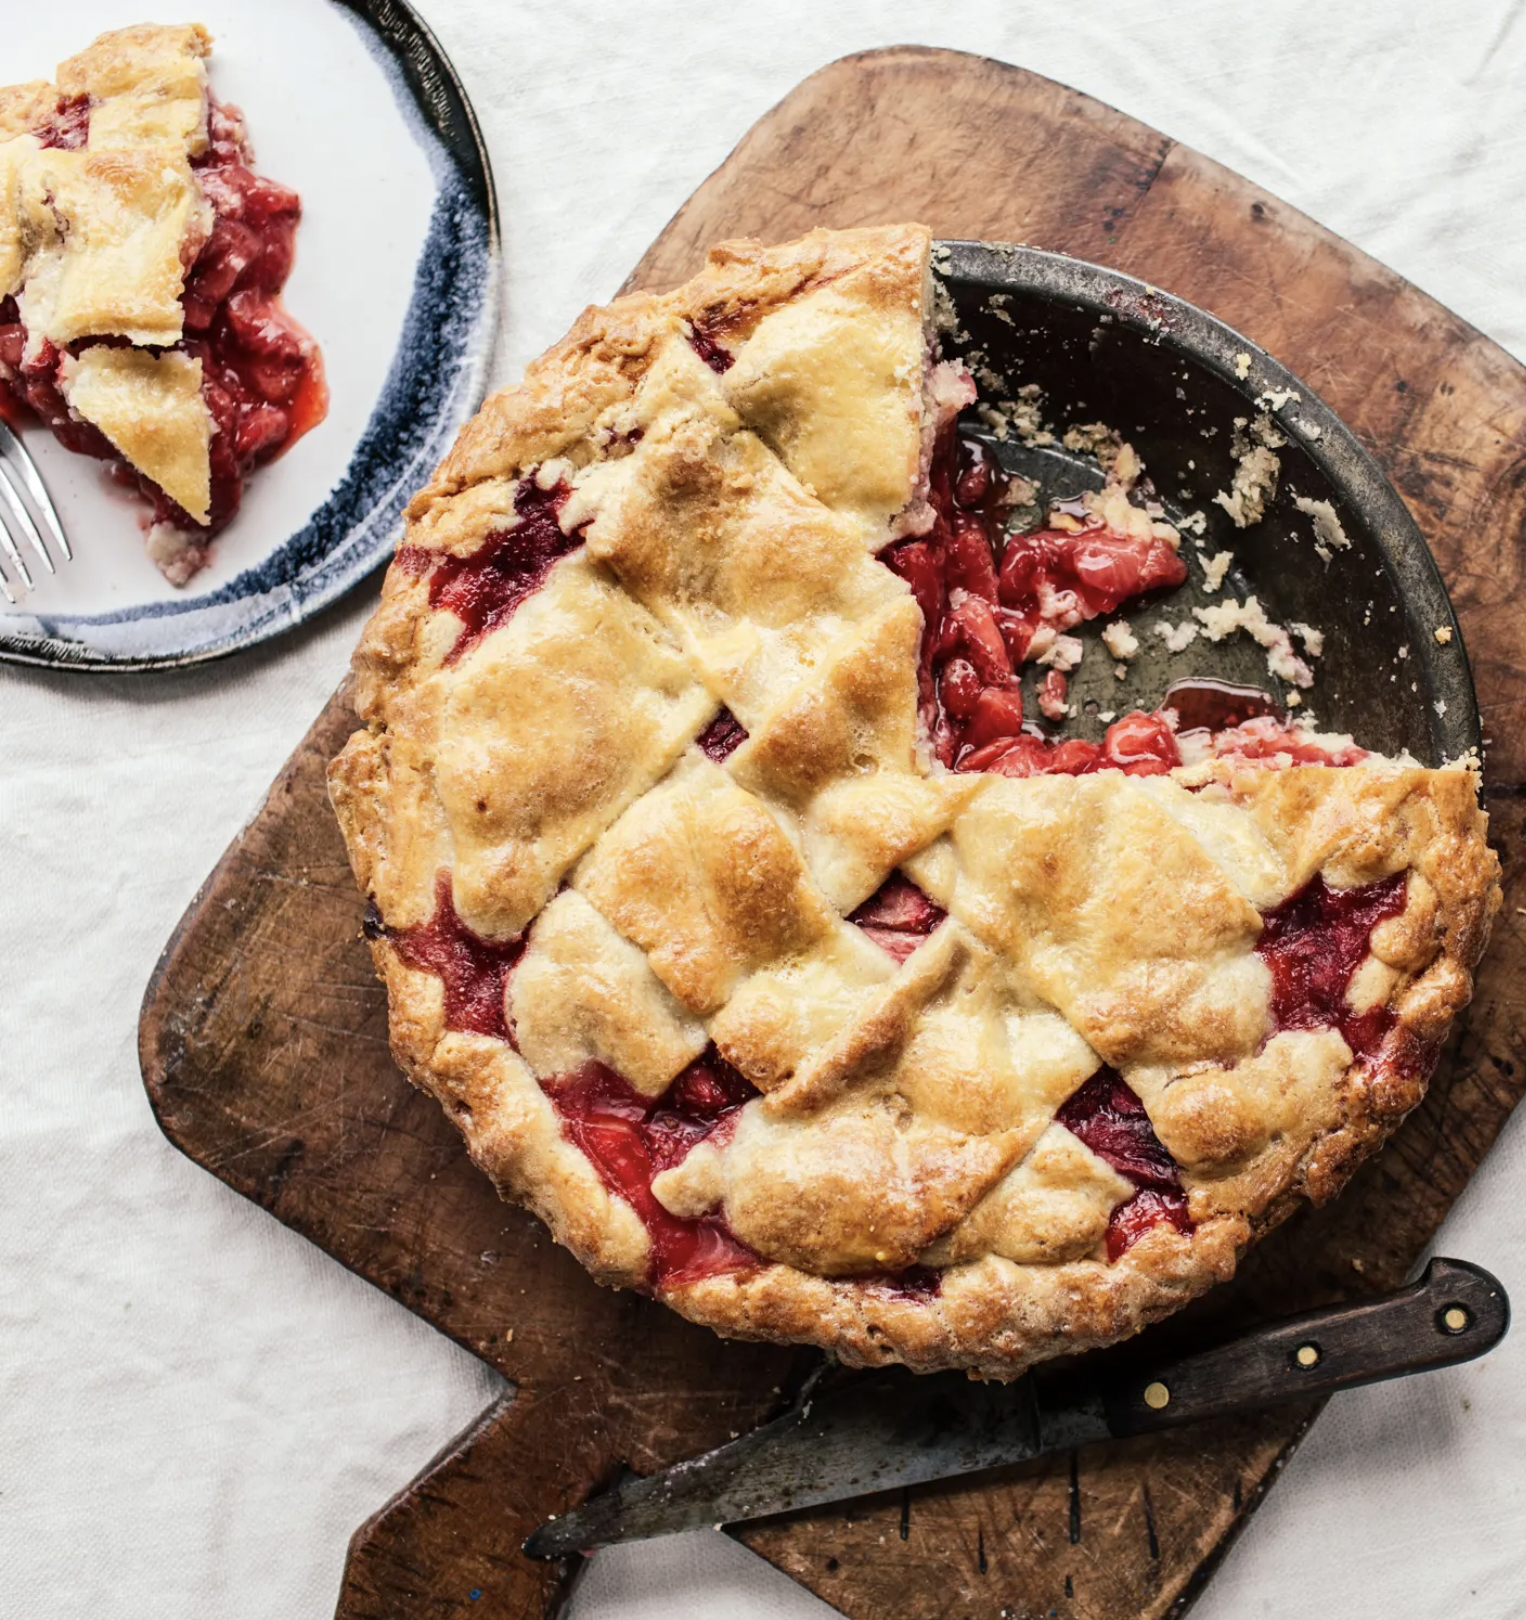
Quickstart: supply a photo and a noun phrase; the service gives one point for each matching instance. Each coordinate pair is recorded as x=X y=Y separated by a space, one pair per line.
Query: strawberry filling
x=1107 y=1116
x=473 y=971
x=898 y=916
x=485 y=589
x=988 y=599
x=722 y=737
x=1314 y=942
x=630 y=1138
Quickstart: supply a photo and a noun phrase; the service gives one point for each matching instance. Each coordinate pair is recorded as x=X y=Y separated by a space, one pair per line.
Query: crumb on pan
x=1215 y=568
x=1120 y=640
x=1329 y=536
x=1177 y=637
x=1224 y=618
x=1257 y=469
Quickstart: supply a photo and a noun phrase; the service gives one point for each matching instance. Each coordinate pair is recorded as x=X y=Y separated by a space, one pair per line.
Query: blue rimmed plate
x=356 y=107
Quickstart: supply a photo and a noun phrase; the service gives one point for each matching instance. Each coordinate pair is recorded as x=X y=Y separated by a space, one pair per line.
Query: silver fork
x=18 y=471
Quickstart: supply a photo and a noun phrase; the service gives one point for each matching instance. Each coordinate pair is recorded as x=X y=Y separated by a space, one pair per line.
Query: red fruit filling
x=1202 y=704
x=262 y=376
x=630 y=1139
x=1313 y=943
x=898 y=916
x=474 y=971
x=1060 y=578
x=985 y=597
x=484 y=589
x=69 y=128
x=1112 y=1122
x=707 y=346
x=1138 y=744
x=709 y=331
x=722 y=737
x=1054 y=692
x=1268 y=738
x=915 y=1283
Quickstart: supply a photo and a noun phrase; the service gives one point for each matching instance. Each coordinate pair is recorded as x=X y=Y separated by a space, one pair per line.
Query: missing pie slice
x=141 y=264
x=726 y=904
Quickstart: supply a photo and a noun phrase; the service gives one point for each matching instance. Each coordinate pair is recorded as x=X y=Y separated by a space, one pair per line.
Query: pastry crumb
x=1120 y=640
x=1225 y=618
x=1329 y=536
x=1053 y=691
x=1063 y=654
x=1177 y=637
x=1120 y=672
x=945 y=317
x=1443 y=636
x=1293 y=700
x=1242 y=365
x=1093 y=439
x=1257 y=469
x=1314 y=640
x=1215 y=568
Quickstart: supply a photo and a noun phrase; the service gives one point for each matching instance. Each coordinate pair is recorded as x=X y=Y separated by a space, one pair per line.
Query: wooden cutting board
x=263 y=1039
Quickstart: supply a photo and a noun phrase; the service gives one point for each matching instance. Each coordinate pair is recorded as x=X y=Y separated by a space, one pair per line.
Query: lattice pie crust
x=721 y=969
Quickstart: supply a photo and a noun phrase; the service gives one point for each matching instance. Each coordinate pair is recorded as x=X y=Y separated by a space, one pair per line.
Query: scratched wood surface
x=263 y=1038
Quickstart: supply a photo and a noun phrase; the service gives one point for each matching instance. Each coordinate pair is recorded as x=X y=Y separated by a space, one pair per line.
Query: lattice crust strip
x=755 y=1002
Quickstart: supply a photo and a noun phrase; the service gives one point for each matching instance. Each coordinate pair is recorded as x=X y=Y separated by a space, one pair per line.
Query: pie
x=724 y=902
x=141 y=265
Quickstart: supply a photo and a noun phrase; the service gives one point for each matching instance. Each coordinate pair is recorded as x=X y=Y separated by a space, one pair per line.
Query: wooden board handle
x=449 y=1543
x=1456 y=1311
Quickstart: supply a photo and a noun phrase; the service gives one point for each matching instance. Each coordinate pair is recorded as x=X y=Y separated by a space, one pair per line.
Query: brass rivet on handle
x=1307 y=1355
x=1156 y=1395
x=1454 y=1319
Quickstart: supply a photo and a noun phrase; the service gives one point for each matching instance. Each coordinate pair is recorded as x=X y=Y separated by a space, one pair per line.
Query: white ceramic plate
x=397 y=277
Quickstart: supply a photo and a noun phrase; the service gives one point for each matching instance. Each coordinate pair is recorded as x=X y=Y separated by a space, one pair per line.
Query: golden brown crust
x=150 y=407
x=26 y=108
x=146 y=85
x=708 y=448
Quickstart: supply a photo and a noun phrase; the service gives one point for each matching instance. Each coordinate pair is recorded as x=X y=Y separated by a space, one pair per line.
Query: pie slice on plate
x=141 y=265
x=726 y=904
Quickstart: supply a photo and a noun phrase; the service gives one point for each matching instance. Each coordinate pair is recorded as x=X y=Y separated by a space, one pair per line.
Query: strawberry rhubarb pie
x=141 y=265
x=757 y=940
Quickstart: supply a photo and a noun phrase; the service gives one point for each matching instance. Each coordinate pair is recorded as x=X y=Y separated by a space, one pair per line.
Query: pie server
x=892 y=1429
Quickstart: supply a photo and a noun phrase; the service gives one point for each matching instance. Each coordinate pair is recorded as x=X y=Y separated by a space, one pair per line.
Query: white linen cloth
x=196 y=1407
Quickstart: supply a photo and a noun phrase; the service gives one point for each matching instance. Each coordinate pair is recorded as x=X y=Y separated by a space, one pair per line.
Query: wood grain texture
x=263 y=1039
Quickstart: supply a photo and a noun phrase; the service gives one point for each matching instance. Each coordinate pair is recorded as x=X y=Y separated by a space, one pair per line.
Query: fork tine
x=22 y=519
x=16 y=452
x=5 y=589
x=17 y=512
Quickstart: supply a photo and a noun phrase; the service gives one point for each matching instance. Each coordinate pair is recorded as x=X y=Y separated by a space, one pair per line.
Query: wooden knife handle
x=1456 y=1311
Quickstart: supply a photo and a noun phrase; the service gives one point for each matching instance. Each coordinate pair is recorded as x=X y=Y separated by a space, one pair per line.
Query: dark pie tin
x=1172 y=380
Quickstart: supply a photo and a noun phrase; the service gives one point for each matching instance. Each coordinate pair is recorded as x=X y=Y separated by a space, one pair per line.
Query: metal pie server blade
x=893 y=1429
